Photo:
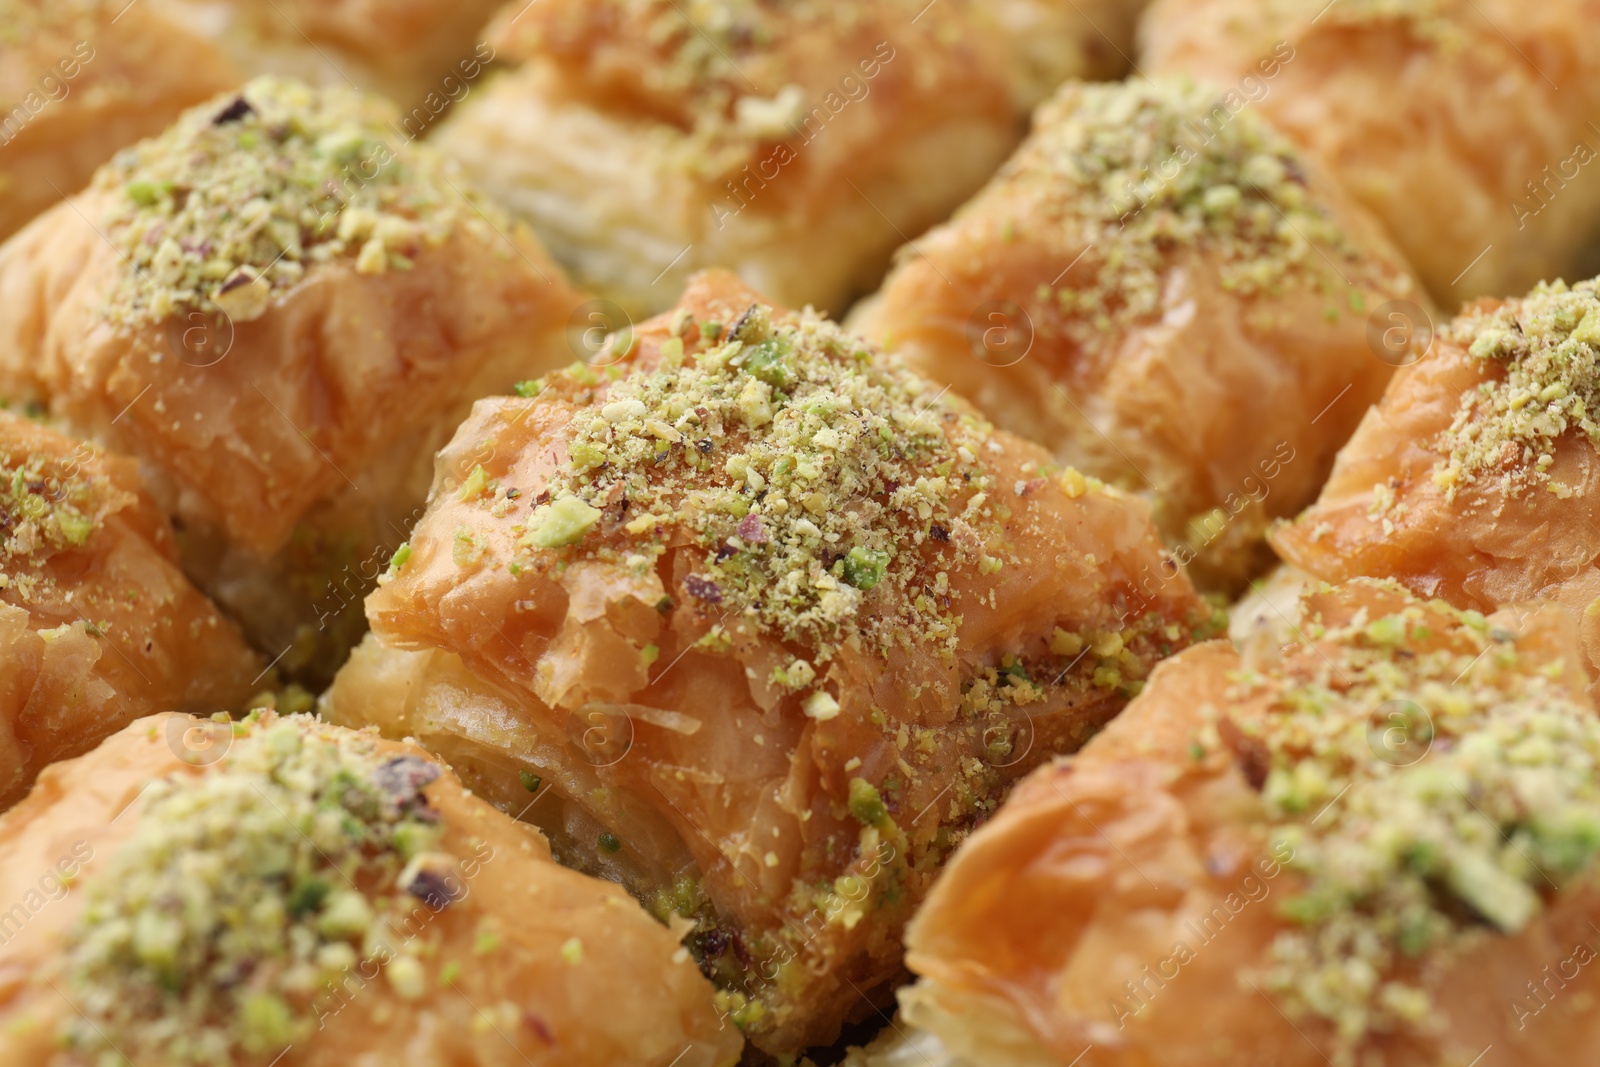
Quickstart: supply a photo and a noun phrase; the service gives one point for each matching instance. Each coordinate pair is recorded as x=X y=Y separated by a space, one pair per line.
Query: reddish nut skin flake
x=787 y=765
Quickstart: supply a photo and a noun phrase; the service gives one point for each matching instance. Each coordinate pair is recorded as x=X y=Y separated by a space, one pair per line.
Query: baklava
x=423 y=54
x=80 y=79
x=280 y=891
x=797 y=144
x=771 y=623
x=98 y=625
x=1167 y=294
x=1472 y=479
x=1467 y=126
x=1374 y=847
x=282 y=310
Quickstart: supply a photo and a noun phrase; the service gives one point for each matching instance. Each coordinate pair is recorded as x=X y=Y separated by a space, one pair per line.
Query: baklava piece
x=1053 y=41
x=1166 y=296
x=1377 y=847
x=797 y=144
x=1466 y=126
x=279 y=891
x=1472 y=479
x=423 y=54
x=98 y=626
x=766 y=623
x=282 y=311
x=80 y=79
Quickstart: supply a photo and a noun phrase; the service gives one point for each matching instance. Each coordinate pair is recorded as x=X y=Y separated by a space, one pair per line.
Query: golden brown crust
x=80 y=79
x=1054 y=41
x=775 y=733
x=645 y=57
x=98 y=626
x=1166 y=294
x=1464 y=125
x=788 y=142
x=287 y=405
x=1470 y=480
x=513 y=960
x=1129 y=898
x=404 y=49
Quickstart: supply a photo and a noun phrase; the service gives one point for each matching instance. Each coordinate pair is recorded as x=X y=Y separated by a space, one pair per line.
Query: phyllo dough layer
x=405 y=49
x=797 y=144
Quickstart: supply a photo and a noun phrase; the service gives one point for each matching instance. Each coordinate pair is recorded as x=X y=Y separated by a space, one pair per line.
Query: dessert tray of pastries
x=794 y=533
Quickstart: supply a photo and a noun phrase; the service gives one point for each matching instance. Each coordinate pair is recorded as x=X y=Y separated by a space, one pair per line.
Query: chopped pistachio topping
x=866 y=804
x=1549 y=346
x=820 y=476
x=243 y=890
x=1141 y=169
x=561 y=523
x=702 y=38
x=1434 y=787
x=46 y=505
x=245 y=193
x=704 y=44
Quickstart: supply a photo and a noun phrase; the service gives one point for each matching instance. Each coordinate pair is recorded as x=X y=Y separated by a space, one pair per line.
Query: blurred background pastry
x=1466 y=126
x=282 y=891
x=1052 y=41
x=80 y=79
x=1164 y=292
x=1370 y=847
x=796 y=144
x=281 y=310
x=645 y=140
x=407 y=50
x=773 y=622
x=98 y=626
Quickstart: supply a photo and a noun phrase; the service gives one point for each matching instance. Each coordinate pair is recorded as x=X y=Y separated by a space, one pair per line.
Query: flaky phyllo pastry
x=1165 y=292
x=98 y=626
x=796 y=143
x=281 y=309
x=80 y=79
x=283 y=891
x=1473 y=479
x=408 y=50
x=760 y=624
x=1374 y=846
x=1466 y=126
